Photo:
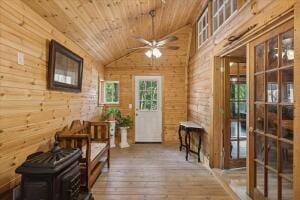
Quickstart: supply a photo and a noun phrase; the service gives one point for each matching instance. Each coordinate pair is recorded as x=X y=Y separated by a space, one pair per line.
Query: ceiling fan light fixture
x=156 y=52
x=149 y=53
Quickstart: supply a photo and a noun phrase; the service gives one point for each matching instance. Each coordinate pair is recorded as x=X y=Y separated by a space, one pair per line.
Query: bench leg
x=108 y=158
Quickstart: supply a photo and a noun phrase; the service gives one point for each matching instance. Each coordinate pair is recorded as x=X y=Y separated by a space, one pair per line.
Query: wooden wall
x=172 y=67
x=29 y=113
x=200 y=91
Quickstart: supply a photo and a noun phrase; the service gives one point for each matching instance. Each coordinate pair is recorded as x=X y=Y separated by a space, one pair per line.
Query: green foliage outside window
x=111 y=92
x=238 y=91
x=148 y=95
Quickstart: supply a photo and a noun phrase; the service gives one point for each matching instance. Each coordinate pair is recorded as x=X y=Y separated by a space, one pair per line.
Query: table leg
x=187 y=137
x=180 y=138
x=199 y=147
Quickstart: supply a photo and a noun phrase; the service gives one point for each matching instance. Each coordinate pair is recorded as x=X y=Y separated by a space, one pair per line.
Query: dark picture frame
x=64 y=69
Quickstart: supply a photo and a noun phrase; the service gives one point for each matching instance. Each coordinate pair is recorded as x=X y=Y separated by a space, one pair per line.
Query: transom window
x=203 y=28
x=222 y=10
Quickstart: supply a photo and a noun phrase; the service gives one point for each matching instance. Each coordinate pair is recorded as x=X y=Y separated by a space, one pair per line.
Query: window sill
x=108 y=103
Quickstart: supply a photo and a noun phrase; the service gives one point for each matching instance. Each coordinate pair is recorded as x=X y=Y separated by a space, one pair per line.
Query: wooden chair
x=95 y=148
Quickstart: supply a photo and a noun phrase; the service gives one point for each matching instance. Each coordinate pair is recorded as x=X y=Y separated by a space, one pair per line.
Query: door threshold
x=148 y=142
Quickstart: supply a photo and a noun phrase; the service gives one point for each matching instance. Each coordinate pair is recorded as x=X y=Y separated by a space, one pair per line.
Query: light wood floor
x=155 y=171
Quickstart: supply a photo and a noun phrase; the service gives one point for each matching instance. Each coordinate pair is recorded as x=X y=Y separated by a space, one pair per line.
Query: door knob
x=251 y=129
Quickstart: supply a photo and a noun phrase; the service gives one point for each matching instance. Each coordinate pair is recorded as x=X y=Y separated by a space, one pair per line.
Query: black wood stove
x=54 y=175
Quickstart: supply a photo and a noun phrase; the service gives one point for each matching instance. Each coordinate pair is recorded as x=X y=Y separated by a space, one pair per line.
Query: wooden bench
x=94 y=144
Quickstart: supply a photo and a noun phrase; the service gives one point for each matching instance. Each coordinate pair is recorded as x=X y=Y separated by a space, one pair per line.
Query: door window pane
x=272 y=185
x=148 y=95
x=272 y=87
x=260 y=57
x=287 y=159
x=243 y=133
x=259 y=117
x=259 y=88
x=234 y=90
x=272 y=53
x=288 y=48
x=243 y=148
x=272 y=119
x=142 y=85
x=243 y=110
x=287 y=119
x=287 y=190
x=242 y=91
x=234 y=110
x=259 y=179
x=259 y=147
x=234 y=150
x=234 y=129
x=287 y=86
x=272 y=152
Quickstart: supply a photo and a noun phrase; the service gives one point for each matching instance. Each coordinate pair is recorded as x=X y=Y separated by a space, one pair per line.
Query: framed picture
x=64 y=69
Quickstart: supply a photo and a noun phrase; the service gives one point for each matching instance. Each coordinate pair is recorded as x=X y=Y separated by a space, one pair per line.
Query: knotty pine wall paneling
x=172 y=66
x=30 y=114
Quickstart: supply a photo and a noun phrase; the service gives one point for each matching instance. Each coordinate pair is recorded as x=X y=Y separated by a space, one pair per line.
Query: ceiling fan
x=155 y=45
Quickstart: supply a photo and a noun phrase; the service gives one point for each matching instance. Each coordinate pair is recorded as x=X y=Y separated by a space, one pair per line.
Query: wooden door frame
x=296 y=158
x=226 y=116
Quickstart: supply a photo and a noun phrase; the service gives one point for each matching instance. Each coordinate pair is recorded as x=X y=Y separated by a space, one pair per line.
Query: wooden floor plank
x=156 y=171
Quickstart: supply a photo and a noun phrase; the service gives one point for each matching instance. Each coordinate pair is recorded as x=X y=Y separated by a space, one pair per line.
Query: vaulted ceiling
x=104 y=28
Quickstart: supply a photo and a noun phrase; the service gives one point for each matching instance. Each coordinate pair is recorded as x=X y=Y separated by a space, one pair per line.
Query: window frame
x=202 y=30
x=104 y=92
x=221 y=8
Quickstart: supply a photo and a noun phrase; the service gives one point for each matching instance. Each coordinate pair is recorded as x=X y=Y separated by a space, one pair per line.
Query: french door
x=235 y=135
x=271 y=114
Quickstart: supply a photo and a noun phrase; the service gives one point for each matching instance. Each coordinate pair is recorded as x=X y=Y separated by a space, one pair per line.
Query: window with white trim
x=222 y=10
x=203 y=28
x=111 y=92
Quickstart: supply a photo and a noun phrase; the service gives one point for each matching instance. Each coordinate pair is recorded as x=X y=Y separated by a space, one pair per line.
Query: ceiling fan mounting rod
x=152 y=14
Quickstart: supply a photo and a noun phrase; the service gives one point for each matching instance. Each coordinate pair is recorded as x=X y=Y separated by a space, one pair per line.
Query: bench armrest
x=76 y=141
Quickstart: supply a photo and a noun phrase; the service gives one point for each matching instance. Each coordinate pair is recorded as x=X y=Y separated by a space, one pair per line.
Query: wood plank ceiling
x=104 y=27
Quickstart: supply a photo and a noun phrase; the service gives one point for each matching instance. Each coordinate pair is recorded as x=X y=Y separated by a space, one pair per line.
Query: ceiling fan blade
x=167 y=40
x=169 y=47
x=172 y=47
x=135 y=48
x=142 y=40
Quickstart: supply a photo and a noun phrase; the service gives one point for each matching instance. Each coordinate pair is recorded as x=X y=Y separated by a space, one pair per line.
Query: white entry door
x=148 y=109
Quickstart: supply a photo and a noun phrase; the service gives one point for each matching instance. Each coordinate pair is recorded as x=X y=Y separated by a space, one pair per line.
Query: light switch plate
x=20 y=58
x=130 y=106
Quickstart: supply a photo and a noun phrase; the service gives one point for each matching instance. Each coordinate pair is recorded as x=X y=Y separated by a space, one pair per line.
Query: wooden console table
x=190 y=127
